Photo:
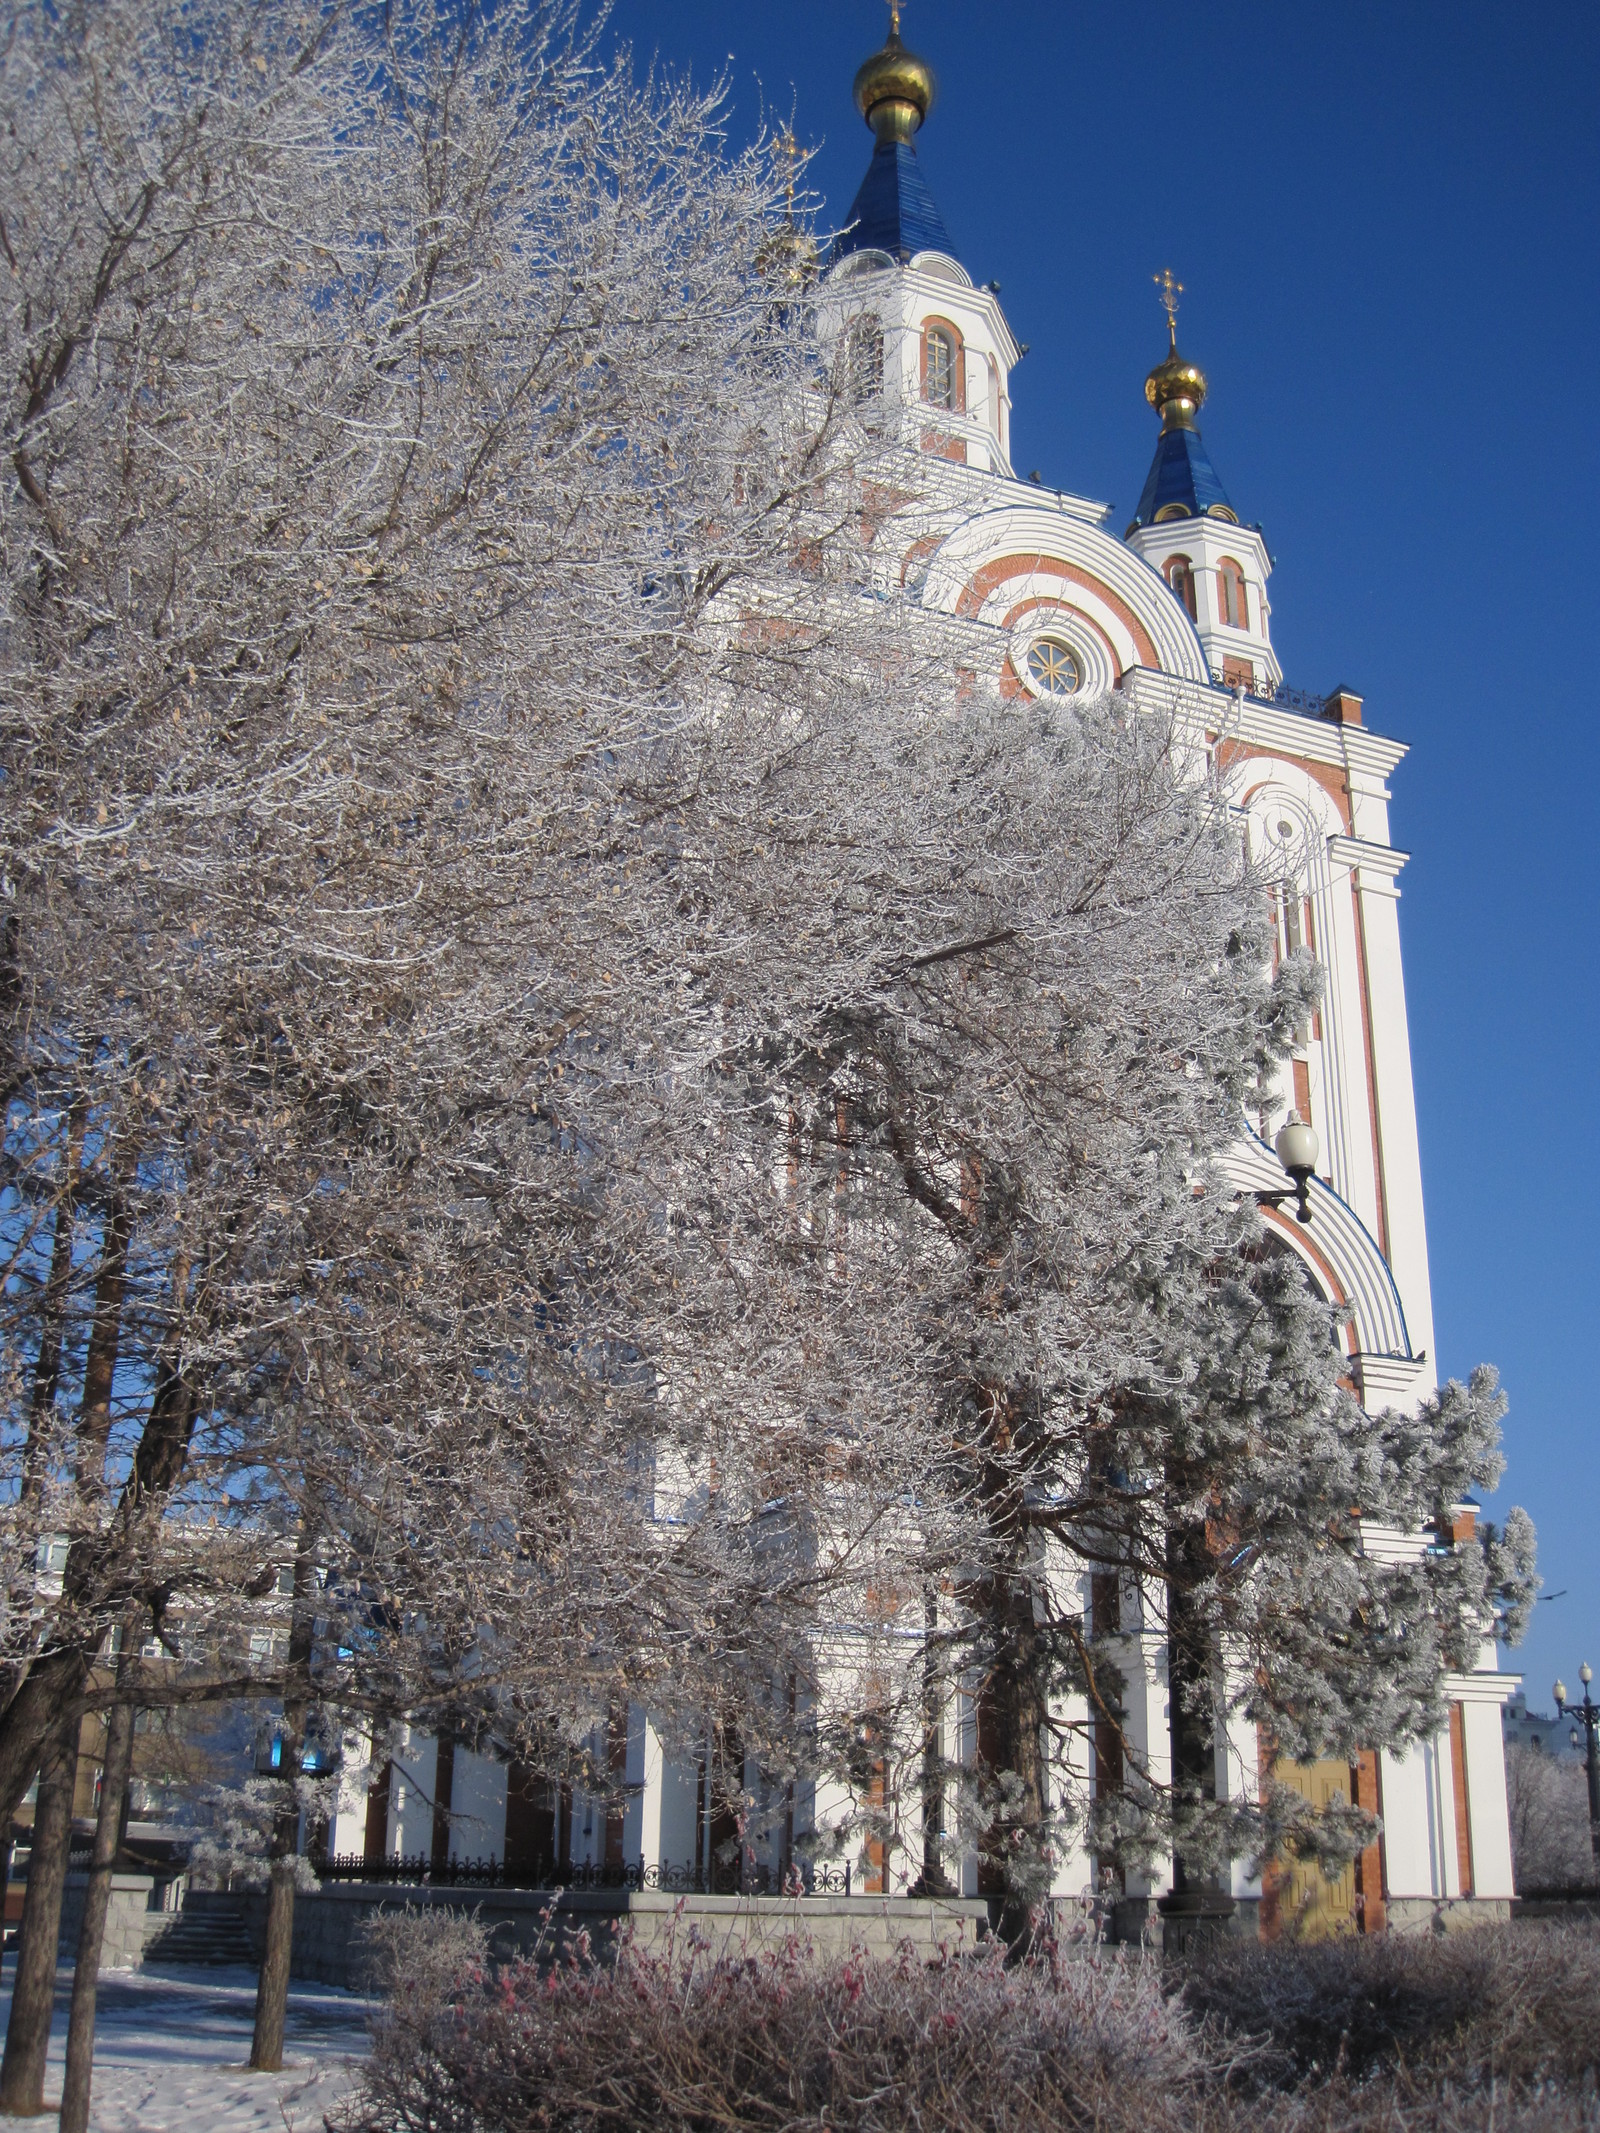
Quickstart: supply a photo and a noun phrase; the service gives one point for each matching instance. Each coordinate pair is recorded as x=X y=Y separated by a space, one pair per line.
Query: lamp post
x=1298 y=1149
x=1587 y=1715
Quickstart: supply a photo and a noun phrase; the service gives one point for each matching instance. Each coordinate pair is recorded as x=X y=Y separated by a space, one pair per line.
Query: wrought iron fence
x=1282 y=698
x=802 y=1877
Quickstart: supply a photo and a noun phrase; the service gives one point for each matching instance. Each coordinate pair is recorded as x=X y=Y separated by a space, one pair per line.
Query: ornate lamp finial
x=1170 y=292
x=894 y=89
x=1175 y=389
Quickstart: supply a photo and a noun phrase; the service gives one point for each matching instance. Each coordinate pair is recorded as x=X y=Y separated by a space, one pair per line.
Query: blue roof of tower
x=893 y=211
x=1180 y=474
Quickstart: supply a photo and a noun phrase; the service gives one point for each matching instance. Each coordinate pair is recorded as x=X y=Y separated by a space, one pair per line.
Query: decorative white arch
x=1118 y=591
x=1338 y=1237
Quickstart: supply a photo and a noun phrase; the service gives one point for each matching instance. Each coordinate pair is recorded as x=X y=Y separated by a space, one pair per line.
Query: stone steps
x=213 y=1932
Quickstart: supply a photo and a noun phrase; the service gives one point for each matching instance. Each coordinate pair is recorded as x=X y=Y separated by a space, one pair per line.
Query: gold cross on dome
x=789 y=151
x=1170 y=292
x=894 y=18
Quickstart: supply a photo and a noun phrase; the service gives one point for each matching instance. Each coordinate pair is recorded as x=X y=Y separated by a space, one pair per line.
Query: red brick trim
x=1458 y=1781
x=1327 y=775
x=1062 y=607
x=993 y=575
x=1367 y=1791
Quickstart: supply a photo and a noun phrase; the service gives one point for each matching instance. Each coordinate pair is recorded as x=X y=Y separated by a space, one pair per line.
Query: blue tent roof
x=1180 y=473
x=894 y=211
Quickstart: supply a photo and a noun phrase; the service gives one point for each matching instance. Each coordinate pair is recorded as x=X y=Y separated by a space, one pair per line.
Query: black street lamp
x=1587 y=1715
x=1298 y=1147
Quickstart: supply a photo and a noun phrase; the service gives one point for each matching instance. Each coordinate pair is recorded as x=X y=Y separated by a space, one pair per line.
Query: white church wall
x=1208 y=543
x=1073 y=1873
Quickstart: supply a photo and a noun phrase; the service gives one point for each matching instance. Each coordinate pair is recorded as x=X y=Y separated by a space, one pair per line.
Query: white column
x=347 y=1826
x=1147 y=1728
x=416 y=1757
x=1238 y=1754
x=1411 y=1852
x=477 y=1806
x=642 y=1827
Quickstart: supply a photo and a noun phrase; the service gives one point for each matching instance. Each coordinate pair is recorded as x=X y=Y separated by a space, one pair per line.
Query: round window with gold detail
x=1054 y=667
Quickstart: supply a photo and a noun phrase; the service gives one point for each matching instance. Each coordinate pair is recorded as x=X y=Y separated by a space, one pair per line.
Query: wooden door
x=1299 y=1898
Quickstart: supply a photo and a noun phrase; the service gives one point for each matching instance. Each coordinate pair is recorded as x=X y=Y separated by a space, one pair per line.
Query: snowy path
x=170 y=2047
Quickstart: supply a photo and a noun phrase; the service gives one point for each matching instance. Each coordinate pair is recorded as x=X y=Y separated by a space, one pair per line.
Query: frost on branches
x=570 y=1075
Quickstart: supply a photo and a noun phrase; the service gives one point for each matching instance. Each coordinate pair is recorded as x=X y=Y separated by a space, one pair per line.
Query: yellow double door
x=1311 y=1905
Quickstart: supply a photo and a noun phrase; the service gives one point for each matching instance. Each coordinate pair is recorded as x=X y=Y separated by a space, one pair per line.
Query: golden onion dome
x=894 y=89
x=1176 y=390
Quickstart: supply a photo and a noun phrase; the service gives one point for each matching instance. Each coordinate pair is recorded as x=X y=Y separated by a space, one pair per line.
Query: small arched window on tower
x=863 y=358
x=1180 y=576
x=1233 y=606
x=941 y=368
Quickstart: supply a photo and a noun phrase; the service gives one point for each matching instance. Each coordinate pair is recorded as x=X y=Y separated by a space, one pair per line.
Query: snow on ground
x=171 y=2045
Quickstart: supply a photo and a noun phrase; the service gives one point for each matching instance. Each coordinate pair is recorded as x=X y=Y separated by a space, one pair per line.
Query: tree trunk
x=47 y=1364
x=51 y=1683
x=33 y=1994
x=272 y=1989
x=105 y=1332
x=32 y=1707
x=1189 y=1684
x=31 y=1717
x=933 y=1880
x=96 y=1903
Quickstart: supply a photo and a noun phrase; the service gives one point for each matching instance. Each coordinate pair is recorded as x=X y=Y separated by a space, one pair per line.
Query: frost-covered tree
x=1552 y=1845
x=983 y=1314
x=570 y=1071
x=389 y=403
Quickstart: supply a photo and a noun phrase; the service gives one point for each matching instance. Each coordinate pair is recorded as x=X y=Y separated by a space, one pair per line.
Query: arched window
x=864 y=358
x=1180 y=576
x=941 y=368
x=1233 y=606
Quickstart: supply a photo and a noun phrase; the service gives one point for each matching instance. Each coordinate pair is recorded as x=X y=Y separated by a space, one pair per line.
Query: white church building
x=1173 y=609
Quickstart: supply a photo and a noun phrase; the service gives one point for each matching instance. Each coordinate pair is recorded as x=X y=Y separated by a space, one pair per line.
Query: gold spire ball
x=1175 y=389
x=894 y=89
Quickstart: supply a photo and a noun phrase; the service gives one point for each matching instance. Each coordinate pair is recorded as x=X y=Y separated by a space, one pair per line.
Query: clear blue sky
x=1387 y=220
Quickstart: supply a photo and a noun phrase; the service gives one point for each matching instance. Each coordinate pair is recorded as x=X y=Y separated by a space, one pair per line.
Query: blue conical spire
x=1182 y=482
x=894 y=211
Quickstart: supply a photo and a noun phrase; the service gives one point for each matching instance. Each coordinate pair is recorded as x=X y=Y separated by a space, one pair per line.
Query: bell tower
x=1186 y=528
x=917 y=335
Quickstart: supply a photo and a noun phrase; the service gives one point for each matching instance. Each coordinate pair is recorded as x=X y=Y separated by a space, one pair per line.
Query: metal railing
x=1282 y=698
x=736 y=1878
